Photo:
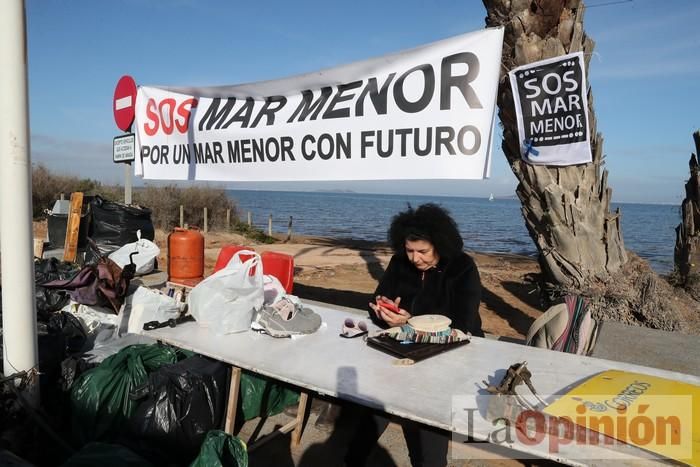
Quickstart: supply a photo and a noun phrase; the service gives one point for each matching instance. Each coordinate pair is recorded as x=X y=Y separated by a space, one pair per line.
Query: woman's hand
x=392 y=318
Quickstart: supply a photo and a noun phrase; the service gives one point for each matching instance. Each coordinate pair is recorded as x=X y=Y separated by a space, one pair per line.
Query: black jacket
x=451 y=288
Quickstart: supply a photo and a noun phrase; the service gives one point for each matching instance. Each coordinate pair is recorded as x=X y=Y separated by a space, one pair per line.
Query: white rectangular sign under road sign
x=124 y=149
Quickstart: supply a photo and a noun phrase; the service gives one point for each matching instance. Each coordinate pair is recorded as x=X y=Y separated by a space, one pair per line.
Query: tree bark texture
x=687 y=251
x=566 y=209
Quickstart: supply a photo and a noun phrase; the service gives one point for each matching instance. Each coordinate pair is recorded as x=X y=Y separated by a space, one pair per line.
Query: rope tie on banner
x=529 y=149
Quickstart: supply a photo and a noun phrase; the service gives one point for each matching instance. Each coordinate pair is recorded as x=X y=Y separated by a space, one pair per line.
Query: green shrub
x=251 y=232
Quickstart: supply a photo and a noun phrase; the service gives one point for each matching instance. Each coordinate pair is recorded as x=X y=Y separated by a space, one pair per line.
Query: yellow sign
x=656 y=414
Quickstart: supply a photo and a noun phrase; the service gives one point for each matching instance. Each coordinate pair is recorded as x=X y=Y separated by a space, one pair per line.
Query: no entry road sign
x=124 y=102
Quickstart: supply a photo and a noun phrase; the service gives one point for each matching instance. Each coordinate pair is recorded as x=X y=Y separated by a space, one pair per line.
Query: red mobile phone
x=388 y=305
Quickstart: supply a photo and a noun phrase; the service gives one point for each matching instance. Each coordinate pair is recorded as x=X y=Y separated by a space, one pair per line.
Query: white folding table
x=429 y=392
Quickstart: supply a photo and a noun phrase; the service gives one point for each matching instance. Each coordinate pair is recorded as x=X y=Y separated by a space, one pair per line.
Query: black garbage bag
x=100 y=399
x=57 y=225
x=48 y=269
x=220 y=449
x=53 y=339
x=116 y=223
x=184 y=402
x=105 y=455
x=94 y=251
x=50 y=300
x=72 y=330
x=60 y=336
x=51 y=346
x=71 y=368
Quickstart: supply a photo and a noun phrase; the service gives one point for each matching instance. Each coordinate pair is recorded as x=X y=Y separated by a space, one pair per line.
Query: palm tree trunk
x=566 y=209
x=687 y=251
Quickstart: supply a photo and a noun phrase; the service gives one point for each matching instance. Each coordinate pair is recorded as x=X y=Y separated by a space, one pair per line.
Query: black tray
x=415 y=352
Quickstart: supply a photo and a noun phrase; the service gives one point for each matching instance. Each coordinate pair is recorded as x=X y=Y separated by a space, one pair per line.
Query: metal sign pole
x=127 y=180
x=127 y=183
x=123 y=153
x=123 y=106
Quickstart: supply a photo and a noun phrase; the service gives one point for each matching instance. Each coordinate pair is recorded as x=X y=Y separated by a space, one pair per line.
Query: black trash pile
x=158 y=402
x=146 y=405
x=137 y=404
x=114 y=225
x=104 y=224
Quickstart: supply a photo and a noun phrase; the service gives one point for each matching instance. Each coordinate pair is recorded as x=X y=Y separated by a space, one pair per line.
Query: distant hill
x=335 y=190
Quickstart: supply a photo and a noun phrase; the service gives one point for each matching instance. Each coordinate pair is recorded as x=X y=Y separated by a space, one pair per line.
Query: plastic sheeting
x=103 y=284
x=262 y=398
x=100 y=324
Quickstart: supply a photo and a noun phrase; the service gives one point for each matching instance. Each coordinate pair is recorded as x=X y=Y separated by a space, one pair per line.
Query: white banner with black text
x=425 y=113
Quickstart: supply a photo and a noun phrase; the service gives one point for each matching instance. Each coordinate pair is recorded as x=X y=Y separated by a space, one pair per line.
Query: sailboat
x=491 y=197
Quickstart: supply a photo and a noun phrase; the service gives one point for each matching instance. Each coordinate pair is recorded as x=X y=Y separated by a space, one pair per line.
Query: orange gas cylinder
x=185 y=256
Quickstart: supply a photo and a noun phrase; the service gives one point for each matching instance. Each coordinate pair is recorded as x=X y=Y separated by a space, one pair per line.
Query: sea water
x=487 y=226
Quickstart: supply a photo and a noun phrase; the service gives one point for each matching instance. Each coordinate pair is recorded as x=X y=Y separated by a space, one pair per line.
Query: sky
x=644 y=75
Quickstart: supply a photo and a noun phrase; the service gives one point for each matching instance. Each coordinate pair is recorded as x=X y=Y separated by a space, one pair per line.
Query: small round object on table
x=430 y=323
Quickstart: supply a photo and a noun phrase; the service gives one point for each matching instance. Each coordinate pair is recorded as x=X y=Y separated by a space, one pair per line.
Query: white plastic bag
x=274 y=290
x=146 y=305
x=145 y=259
x=227 y=300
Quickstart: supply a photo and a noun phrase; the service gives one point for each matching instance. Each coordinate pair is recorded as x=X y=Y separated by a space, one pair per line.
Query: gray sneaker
x=279 y=321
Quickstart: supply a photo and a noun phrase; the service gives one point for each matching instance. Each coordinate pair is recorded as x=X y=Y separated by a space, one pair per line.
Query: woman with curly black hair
x=429 y=272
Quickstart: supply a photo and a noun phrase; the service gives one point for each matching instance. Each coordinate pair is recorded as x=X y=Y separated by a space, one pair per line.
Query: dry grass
x=47 y=188
x=638 y=296
x=164 y=201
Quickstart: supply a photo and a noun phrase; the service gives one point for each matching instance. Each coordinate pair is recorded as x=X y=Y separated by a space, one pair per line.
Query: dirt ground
x=345 y=272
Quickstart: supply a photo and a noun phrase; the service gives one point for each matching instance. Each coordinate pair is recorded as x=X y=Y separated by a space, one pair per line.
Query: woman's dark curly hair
x=428 y=222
